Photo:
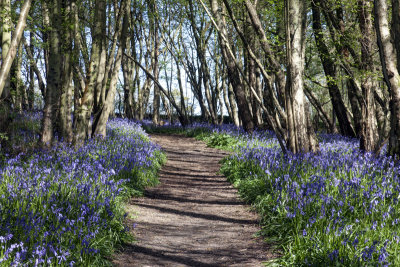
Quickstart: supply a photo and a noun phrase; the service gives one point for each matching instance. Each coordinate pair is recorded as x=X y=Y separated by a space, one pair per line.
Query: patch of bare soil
x=194 y=217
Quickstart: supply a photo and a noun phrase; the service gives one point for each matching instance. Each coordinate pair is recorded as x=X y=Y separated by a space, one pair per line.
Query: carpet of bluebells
x=65 y=206
x=339 y=207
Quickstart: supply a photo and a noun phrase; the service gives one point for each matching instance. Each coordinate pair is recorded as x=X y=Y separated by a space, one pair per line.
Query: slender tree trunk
x=66 y=74
x=314 y=101
x=301 y=136
x=5 y=47
x=233 y=105
x=105 y=63
x=232 y=68
x=330 y=73
x=389 y=68
x=369 y=133
x=224 y=89
x=31 y=90
x=144 y=98
x=154 y=57
x=258 y=111
x=84 y=110
x=18 y=82
x=182 y=96
x=129 y=81
x=100 y=122
x=10 y=46
x=201 y=54
x=396 y=28
x=273 y=62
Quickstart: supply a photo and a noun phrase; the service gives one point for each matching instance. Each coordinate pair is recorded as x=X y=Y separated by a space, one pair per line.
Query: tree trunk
x=201 y=54
x=6 y=23
x=10 y=46
x=396 y=28
x=389 y=68
x=369 y=134
x=273 y=63
x=19 y=103
x=330 y=72
x=101 y=118
x=53 y=91
x=31 y=90
x=155 y=53
x=195 y=82
x=105 y=62
x=301 y=136
x=313 y=100
x=233 y=105
x=226 y=99
x=129 y=81
x=84 y=110
x=66 y=74
x=182 y=96
x=233 y=72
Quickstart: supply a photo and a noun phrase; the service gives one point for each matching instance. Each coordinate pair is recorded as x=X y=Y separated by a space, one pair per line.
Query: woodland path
x=194 y=217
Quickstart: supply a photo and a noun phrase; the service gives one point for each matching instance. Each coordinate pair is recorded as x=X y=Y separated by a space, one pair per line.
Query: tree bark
x=273 y=63
x=201 y=54
x=396 y=28
x=233 y=105
x=389 y=65
x=129 y=80
x=314 y=101
x=101 y=118
x=369 y=134
x=12 y=47
x=31 y=90
x=34 y=68
x=84 y=110
x=18 y=84
x=65 y=119
x=301 y=136
x=330 y=73
x=53 y=91
x=155 y=54
x=232 y=69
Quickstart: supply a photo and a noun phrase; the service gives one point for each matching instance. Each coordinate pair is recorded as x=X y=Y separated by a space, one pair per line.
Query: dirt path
x=194 y=217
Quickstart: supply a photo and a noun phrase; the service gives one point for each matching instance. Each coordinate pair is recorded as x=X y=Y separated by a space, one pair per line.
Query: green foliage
x=154 y=129
x=139 y=180
x=221 y=140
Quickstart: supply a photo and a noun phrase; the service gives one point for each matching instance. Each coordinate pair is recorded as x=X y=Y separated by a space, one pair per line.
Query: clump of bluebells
x=338 y=207
x=64 y=206
x=20 y=135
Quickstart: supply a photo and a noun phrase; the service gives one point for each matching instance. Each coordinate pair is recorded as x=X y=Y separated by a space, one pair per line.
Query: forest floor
x=194 y=217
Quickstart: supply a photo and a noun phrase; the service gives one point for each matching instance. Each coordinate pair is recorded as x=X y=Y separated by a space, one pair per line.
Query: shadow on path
x=194 y=217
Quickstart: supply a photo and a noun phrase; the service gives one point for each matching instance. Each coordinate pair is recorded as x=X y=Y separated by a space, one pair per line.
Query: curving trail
x=194 y=217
